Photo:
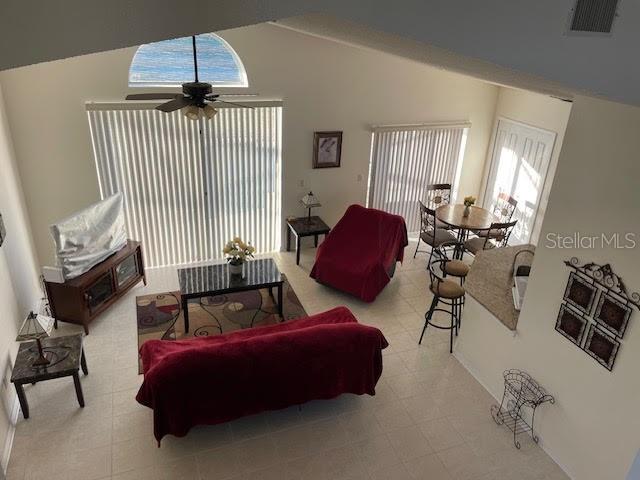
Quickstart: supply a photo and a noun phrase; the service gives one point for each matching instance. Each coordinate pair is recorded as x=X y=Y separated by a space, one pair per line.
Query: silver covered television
x=88 y=237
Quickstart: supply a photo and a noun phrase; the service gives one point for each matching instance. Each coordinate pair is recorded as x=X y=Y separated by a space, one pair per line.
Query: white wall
x=325 y=86
x=539 y=111
x=19 y=290
x=592 y=430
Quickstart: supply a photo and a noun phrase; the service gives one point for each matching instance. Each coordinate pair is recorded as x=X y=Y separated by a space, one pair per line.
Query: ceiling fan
x=196 y=98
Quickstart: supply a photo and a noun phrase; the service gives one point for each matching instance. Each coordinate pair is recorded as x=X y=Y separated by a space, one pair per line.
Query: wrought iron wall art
x=522 y=396
x=595 y=311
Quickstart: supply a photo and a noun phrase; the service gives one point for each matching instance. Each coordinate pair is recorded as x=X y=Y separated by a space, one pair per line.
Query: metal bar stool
x=449 y=294
x=454 y=268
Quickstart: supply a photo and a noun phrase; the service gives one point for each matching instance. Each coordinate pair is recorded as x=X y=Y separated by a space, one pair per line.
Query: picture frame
x=602 y=346
x=571 y=324
x=612 y=314
x=580 y=293
x=327 y=149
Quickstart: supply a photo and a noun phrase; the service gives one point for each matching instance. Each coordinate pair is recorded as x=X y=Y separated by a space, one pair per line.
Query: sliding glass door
x=191 y=186
x=519 y=165
x=405 y=160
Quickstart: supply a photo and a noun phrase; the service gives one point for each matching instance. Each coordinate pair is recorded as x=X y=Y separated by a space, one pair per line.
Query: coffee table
x=212 y=280
x=68 y=360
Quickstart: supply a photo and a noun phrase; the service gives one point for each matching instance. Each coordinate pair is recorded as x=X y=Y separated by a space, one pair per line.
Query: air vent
x=593 y=16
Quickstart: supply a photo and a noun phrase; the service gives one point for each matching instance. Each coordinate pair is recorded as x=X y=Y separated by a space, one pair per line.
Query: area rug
x=160 y=317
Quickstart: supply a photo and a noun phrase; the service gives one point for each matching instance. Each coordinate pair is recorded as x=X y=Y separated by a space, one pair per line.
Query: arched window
x=170 y=63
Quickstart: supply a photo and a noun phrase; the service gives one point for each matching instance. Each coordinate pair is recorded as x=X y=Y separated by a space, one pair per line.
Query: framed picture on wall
x=602 y=346
x=612 y=314
x=580 y=293
x=327 y=149
x=571 y=325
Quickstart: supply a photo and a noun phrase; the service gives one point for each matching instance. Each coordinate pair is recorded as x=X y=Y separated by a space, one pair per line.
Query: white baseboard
x=497 y=397
x=8 y=444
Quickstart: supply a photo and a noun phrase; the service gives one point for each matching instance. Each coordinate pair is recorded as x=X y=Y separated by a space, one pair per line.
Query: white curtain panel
x=405 y=160
x=190 y=186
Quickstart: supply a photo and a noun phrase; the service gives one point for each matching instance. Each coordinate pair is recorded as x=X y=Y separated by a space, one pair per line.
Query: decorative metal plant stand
x=522 y=395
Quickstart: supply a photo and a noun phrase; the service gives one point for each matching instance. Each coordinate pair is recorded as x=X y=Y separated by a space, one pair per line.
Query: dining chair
x=429 y=233
x=497 y=236
x=438 y=194
x=453 y=266
x=503 y=208
x=448 y=297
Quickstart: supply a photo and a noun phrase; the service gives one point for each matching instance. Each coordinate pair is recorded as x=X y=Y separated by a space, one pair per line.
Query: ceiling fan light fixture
x=209 y=111
x=191 y=112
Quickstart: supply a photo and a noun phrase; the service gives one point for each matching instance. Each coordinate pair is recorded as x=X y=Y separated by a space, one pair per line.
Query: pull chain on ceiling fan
x=197 y=98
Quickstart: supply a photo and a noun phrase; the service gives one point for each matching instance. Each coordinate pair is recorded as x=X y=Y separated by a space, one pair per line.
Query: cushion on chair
x=447 y=289
x=441 y=236
x=456 y=268
x=474 y=245
x=496 y=234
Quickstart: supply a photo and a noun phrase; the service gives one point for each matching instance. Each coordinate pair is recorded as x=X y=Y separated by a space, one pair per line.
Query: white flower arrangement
x=237 y=251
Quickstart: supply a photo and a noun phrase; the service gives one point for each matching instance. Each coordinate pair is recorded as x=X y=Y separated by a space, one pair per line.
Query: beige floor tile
x=441 y=434
x=377 y=453
x=409 y=443
x=428 y=467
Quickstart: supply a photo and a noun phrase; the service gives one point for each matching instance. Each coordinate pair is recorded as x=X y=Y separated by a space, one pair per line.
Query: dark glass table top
x=308 y=226
x=68 y=350
x=211 y=279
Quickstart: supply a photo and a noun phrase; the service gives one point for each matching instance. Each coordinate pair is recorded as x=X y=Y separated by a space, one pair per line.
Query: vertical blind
x=189 y=187
x=404 y=160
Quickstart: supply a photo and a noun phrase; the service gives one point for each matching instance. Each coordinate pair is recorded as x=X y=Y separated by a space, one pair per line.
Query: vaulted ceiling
x=520 y=36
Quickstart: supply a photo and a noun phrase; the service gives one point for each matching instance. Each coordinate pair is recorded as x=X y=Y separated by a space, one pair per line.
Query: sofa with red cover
x=359 y=254
x=216 y=379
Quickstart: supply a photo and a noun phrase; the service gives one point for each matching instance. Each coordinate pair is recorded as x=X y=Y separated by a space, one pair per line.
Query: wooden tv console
x=81 y=299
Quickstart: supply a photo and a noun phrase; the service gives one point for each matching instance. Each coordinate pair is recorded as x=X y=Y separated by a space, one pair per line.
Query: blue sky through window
x=170 y=63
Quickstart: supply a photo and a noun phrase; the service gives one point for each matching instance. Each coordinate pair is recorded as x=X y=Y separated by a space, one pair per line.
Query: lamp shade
x=209 y=111
x=310 y=200
x=191 y=112
x=35 y=327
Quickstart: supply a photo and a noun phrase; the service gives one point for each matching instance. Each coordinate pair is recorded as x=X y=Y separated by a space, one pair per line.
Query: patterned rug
x=159 y=315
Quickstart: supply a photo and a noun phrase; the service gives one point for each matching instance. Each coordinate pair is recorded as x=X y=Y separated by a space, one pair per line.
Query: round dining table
x=453 y=215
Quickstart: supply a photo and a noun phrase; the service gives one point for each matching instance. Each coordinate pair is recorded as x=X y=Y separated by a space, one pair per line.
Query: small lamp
x=36 y=327
x=310 y=201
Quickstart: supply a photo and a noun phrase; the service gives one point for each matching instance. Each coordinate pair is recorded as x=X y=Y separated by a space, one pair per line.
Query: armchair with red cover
x=359 y=254
x=209 y=380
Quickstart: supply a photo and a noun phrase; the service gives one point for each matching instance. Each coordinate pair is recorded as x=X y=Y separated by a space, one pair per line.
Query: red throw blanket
x=361 y=250
x=216 y=379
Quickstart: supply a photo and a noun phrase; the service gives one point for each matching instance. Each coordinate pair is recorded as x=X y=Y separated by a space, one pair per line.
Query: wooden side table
x=70 y=359
x=305 y=227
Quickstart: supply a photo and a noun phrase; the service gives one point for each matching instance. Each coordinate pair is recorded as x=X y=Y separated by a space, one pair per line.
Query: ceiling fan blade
x=176 y=104
x=212 y=96
x=234 y=104
x=153 y=96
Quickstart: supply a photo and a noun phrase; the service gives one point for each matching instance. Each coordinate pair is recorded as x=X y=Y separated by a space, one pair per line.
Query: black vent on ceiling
x=593 y=16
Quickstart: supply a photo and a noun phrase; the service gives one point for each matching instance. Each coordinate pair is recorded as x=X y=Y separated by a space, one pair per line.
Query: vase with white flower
x=468 y=203
x=237 y=252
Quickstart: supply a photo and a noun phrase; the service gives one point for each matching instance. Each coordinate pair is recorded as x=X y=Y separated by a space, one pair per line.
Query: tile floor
x=429 y=419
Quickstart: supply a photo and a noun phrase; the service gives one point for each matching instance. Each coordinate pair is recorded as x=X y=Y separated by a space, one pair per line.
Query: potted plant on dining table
x=237 y=253
x=468 y=203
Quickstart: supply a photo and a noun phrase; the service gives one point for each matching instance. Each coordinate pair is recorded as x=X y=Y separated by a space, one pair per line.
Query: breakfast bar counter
x=491 y=278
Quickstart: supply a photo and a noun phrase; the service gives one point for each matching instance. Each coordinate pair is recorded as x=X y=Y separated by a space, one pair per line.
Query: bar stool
x=453 y=267
x=449 y=294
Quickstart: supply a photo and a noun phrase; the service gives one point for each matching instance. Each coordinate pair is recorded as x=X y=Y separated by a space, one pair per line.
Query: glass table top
x=259 y=272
